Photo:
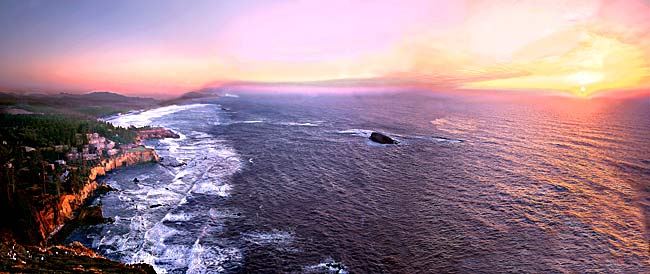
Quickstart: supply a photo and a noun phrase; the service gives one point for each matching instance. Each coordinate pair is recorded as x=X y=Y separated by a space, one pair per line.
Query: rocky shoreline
x=36 y=248
x=56 y=213
x=20 y=258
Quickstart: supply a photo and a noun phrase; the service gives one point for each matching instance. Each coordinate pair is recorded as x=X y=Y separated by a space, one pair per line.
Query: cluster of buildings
x=97 y=146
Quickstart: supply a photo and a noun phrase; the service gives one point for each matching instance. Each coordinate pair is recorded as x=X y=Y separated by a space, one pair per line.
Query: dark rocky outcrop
x=104 y=188
x=73 y=258
x=90 y=215
x=381 y=138
x=171 y=162
x=135 y=180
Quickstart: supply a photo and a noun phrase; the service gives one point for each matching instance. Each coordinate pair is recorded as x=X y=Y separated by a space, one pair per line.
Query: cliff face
x=54 y=212
x=73 y=258
x=126 y=159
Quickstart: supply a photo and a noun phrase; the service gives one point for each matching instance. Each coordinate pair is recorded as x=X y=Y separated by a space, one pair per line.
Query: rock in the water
x=91 y=215
x=103 y=189
x=147 y=268
x=171 y=162
x=135 y=180
x=382 y=138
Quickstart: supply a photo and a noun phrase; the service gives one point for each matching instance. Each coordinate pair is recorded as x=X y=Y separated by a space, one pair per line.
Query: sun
x=582 y=92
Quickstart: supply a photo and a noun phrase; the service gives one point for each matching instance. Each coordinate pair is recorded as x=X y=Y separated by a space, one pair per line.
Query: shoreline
x=50 y=219
x=56 y=217
x=56 y=221
x=140 y=235
x=43 y=222
x=69 y=205
x=75 y=257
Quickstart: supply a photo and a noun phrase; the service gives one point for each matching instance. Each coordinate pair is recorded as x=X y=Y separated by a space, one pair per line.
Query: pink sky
x=153 y=48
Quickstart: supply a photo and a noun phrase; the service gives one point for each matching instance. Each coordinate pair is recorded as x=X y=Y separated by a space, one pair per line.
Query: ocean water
x=291 y=184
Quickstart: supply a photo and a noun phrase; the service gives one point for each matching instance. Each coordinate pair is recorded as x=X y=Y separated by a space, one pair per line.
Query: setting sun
x=594 y=61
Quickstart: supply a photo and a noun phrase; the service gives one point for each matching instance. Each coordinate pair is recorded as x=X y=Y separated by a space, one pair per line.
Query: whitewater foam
x=355 y=131
x=275 y=237
x=144 y=118
x=161 y=207
x=327 y=266
x=306 y=124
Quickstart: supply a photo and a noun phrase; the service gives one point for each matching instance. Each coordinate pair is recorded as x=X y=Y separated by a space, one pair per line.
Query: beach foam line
x=144 y=118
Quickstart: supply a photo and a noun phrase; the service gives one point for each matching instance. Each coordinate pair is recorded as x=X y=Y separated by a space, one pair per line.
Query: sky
x=578 y=48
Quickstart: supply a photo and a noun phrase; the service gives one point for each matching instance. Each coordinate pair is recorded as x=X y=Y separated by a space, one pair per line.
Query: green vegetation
x=30 y=145
x=37 y=130
x=41 y=131
x=51 y=137
x=91 y=105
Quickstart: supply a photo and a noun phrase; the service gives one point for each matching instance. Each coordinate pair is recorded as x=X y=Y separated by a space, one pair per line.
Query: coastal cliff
x=50 y=213
x=76 y=258
x=52 y=157
x=129 y=157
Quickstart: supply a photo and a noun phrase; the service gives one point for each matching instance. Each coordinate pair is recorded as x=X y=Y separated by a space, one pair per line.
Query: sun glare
x=583 y=78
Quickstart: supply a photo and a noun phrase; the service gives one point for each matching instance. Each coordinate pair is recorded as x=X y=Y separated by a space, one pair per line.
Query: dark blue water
x=291 y=184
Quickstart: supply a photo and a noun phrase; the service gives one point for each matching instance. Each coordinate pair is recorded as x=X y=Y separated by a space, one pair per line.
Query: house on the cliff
x=112 y=152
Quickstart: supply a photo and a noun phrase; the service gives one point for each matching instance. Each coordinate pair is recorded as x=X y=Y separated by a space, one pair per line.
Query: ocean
x=289 y=183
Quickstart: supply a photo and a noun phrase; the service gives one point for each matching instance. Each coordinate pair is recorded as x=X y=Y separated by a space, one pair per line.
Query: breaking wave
x=167 y=223
x=144 y=118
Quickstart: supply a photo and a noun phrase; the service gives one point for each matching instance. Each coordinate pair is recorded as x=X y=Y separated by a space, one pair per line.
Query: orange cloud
x=596 y=63
x=576 y=47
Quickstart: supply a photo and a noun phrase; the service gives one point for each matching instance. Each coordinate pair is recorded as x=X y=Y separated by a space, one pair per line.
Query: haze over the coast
x=164 y=48
x=325 y=136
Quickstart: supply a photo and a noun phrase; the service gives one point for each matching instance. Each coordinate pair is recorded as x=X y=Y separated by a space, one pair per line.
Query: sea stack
x=381 y=138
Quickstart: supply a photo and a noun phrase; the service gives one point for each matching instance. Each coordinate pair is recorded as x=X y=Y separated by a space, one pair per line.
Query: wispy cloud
x=579 y=47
